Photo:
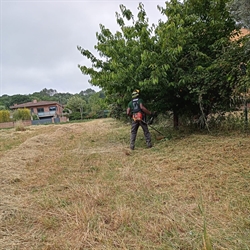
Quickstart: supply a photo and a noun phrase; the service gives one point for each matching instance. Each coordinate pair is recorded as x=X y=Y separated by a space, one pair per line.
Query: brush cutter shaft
x=154 y=128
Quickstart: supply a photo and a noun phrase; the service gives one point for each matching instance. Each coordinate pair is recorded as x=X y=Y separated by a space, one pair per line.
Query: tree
x=188 y=68
x=97 y=103
x=120 y=72
x=178 y=65
x=76 y=103
x=18 y=99
x=48 y=92
x=87 y=92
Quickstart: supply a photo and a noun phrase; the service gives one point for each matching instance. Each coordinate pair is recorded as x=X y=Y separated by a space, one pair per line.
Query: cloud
x=39 y=41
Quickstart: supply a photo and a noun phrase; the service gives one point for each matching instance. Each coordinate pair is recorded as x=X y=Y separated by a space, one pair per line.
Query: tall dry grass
x=77 y=186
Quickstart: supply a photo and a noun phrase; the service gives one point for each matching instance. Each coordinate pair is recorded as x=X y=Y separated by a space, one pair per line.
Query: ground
x=78 y=186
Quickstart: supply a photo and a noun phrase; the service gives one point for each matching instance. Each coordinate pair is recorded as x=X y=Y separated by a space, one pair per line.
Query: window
x=40 y=110
x=52 y=108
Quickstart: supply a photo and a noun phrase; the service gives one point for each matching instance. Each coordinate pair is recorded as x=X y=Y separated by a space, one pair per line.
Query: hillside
x=78 y=186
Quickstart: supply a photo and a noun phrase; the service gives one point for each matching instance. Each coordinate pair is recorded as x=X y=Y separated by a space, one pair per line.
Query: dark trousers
x=134 y=128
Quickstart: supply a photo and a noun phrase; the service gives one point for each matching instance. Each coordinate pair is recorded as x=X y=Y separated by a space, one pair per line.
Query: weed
x=206 y=239
x=19 y=126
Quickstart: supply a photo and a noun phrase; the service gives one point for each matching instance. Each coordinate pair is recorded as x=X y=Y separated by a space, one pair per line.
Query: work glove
x=153 y=115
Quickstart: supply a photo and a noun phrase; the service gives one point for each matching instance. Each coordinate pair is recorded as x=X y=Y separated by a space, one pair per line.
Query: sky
x=39 y=39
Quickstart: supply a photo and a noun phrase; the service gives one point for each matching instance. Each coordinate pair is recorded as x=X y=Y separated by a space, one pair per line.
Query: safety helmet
x=135 y=93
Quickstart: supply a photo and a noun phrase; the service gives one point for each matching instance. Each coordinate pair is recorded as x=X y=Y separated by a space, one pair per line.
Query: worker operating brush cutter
x=138 y=112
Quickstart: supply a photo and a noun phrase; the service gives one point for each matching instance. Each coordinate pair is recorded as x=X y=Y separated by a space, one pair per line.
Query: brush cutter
x=155 y=129
x=150 y=122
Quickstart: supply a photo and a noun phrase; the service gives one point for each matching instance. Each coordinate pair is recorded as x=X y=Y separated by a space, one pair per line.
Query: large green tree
x=179 y=64
x=190 y=68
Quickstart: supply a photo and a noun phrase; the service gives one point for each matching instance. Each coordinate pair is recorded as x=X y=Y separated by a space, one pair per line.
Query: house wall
x=46 y=109
x=64 y=119
x=59 y=110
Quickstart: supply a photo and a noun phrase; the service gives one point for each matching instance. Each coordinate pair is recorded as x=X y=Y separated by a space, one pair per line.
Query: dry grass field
x=78 y=186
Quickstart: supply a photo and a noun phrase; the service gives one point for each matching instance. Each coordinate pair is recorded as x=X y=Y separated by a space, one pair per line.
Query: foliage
x=21 y=114
x=117 y=112
x=8 y=101
x=181 y=65
x=75 y=116
x=97 y=104
x=43 y=95
x=76 y=103
x=35 y=117
x=4 y=116
x=50 y=92
x=87 y=92
x=240 y=71
x=103 y=113
x=120 y=72
x=197 y=36
x=87 y=104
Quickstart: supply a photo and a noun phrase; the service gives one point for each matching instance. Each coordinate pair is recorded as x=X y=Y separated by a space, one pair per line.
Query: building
x=243 y=32
x=43 y=109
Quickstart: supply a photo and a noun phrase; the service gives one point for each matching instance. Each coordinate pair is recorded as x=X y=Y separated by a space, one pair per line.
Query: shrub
x=4 y=116
x=35 y=117
x=75 y=116
x=21 y=114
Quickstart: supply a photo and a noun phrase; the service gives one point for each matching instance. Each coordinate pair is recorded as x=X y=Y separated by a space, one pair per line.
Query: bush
x=4 y=116
x=75 y=116
x=35 y=117
x=21 y=114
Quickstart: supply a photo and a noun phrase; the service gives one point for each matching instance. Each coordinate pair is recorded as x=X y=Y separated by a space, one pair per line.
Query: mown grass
x=80 y=187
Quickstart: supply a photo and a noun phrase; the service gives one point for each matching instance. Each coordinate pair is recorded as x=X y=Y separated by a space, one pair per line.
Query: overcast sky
x=39 y=40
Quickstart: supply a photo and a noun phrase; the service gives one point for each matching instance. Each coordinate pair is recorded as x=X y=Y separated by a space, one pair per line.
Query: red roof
x=243 y=32
x=34 y=104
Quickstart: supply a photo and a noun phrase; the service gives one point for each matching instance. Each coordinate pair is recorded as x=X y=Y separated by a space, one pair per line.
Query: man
x=137 y=111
